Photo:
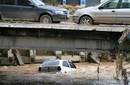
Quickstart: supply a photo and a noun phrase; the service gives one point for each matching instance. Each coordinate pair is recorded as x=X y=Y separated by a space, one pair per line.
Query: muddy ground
x=86 y=74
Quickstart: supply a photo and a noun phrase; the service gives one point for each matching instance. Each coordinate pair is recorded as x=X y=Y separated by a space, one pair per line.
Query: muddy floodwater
x=86 y=74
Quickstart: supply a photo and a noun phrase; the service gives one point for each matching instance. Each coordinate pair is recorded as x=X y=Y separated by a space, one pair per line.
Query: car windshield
x=51 y=63
x=38 y=2
x=72 y=65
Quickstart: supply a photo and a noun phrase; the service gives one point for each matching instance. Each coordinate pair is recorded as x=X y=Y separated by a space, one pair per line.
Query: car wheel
x=0 y=17
x=86 y=20
x=39 y=69
x=57 y=22
x=46 y=19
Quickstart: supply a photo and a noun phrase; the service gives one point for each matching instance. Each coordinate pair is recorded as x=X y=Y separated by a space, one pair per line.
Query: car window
x=125 y=4
x=72 y=65
x=38 y=2
x=51 y=63
x=23 y=2
x=7 y=2
x=111 y=4
x=65 y=63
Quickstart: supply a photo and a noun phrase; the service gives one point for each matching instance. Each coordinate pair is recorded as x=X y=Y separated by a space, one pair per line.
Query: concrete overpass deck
x=65 y=26
x=59 y=36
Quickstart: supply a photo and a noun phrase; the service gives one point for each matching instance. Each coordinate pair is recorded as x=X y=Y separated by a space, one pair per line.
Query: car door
x=7 y=9
x=25 y=10
x=106 y=13
x=66 y=67
x=123 y=13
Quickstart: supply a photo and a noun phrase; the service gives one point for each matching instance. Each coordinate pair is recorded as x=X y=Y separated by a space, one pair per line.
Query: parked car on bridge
x=109 y=12
x=63 y=66
x=35 y=10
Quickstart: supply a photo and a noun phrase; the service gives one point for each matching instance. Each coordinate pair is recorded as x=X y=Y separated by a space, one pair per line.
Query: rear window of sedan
x=51 y=63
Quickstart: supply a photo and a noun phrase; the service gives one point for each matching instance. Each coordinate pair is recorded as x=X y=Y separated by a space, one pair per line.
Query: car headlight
x=59 y=12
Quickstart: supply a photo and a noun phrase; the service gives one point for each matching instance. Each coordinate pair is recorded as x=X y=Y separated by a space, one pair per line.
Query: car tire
x=39 y=69
x=46 y=19
x=0 y=17
x=86 y=20
x=57 y=22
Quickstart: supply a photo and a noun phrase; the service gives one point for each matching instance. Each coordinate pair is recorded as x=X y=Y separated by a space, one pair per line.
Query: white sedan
x=63 y=66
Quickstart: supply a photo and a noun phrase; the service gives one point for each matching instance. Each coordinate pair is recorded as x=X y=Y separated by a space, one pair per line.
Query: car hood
x=53 y=8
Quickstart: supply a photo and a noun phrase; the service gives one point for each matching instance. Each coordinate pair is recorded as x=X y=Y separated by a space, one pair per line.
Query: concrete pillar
x=94 y=56
x=32 y=55
x=10 y=54
x=17 y=57
x=58 y=54
x=11 y=57
x=82 y=54
x=119 y=65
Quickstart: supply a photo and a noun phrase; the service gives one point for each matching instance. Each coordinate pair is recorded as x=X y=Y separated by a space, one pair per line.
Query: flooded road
x=51 y=79
x=86 y=74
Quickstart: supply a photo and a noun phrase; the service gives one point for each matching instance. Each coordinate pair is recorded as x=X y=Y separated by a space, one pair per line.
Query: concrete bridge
x=70 y=37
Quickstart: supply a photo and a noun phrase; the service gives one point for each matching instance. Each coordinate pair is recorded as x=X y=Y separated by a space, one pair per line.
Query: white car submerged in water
x=63 y=66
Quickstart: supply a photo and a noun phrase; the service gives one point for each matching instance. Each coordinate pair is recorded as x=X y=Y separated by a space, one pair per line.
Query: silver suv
x=109 y=12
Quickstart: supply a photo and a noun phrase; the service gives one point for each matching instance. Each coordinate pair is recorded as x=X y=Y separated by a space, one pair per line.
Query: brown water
x=86 y=74
x=52 y=80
